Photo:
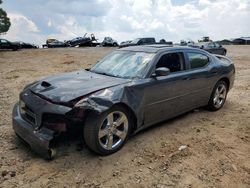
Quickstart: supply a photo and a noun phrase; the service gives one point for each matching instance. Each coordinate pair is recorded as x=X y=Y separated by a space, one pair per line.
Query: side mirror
x=161 y=71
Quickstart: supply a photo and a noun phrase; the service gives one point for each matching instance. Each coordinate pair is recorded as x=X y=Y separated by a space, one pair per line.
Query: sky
x=36 y=20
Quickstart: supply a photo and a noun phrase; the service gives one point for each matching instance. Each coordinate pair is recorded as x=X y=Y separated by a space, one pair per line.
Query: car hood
x=69 y=86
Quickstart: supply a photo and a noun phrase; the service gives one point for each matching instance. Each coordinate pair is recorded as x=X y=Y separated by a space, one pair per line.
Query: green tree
x=4 y=21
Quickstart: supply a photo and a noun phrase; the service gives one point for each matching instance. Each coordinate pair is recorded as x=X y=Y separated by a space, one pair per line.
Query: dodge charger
x=128 y=90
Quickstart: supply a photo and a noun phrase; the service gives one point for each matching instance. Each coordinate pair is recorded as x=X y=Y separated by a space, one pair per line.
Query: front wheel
x=107 y=133
x=218 y=96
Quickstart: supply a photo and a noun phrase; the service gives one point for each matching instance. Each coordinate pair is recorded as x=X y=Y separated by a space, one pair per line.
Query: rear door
x=201 y=77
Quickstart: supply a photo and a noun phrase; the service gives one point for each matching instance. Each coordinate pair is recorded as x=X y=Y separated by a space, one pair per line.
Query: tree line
x=4 y=20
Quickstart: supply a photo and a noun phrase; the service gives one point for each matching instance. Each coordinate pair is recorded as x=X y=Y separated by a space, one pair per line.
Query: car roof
x=154 y=48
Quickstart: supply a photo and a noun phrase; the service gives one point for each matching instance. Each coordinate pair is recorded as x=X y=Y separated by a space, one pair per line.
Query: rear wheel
x=108 y=132
x=218 y=96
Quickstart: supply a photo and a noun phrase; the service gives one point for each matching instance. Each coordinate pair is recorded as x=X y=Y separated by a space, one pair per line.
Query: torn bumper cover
x=30 y=127
x=39 y=140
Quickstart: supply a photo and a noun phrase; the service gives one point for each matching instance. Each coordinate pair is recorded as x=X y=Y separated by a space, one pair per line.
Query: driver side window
x=173 y=61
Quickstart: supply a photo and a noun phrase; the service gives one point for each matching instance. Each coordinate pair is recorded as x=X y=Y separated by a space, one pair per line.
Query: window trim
x=157 y=58
x=189 y=65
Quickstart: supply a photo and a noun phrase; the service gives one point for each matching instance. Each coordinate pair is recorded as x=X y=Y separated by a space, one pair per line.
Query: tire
x=224 y=52
x=102 y=138
x=218 y=96
x=115 y=44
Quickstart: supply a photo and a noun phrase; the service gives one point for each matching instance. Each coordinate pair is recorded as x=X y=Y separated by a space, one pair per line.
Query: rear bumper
x=39 y=141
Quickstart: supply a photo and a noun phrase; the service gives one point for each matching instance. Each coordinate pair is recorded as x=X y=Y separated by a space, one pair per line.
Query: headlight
x=89 y=102
x=82 y=102
x=85 y=102
x=22 y=107
x=103 y=93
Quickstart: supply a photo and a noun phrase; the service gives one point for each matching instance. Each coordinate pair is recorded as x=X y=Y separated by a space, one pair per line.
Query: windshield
x=124 y=64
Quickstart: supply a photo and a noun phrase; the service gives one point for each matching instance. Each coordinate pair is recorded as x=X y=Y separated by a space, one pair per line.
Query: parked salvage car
x=139 y=41
x=48 y=41
x=83 y=41
x=7 y=45
x=57 y=44
x=79 y=40
x=127 y=91
x=108 y=41
x=25 y=45
x=211 y=47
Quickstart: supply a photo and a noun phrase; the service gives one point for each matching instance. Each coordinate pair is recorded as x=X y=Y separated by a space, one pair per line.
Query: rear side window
x=197 y=60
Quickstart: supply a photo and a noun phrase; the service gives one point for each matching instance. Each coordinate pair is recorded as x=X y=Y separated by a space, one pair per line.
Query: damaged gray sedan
x=127 y=91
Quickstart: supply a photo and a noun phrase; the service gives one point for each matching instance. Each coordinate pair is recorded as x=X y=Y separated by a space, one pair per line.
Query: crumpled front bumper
x=39 y=141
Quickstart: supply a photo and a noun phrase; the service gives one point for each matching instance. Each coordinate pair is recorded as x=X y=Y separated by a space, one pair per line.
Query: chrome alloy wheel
x=220 y=95
x=114 y=130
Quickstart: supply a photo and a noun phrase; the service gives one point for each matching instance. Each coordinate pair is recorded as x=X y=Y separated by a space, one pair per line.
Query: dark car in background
x=49 y=40
x=79 y=40
x=138 y=41
x=25 y=45
x=57 y=44
x=127 y=91
x=7 y=45
x=211 y=47
x=83 y=41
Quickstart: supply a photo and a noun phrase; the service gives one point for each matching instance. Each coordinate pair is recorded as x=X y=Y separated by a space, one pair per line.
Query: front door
x=165 y=96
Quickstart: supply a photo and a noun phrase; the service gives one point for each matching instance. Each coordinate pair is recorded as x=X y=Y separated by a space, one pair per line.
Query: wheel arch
x=131 y=113
x=225 y=79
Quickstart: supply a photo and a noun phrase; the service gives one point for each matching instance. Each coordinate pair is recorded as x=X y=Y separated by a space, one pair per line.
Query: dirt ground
x=218 y=152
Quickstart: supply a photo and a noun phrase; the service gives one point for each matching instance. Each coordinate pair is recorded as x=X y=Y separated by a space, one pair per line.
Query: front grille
x=27 y=113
